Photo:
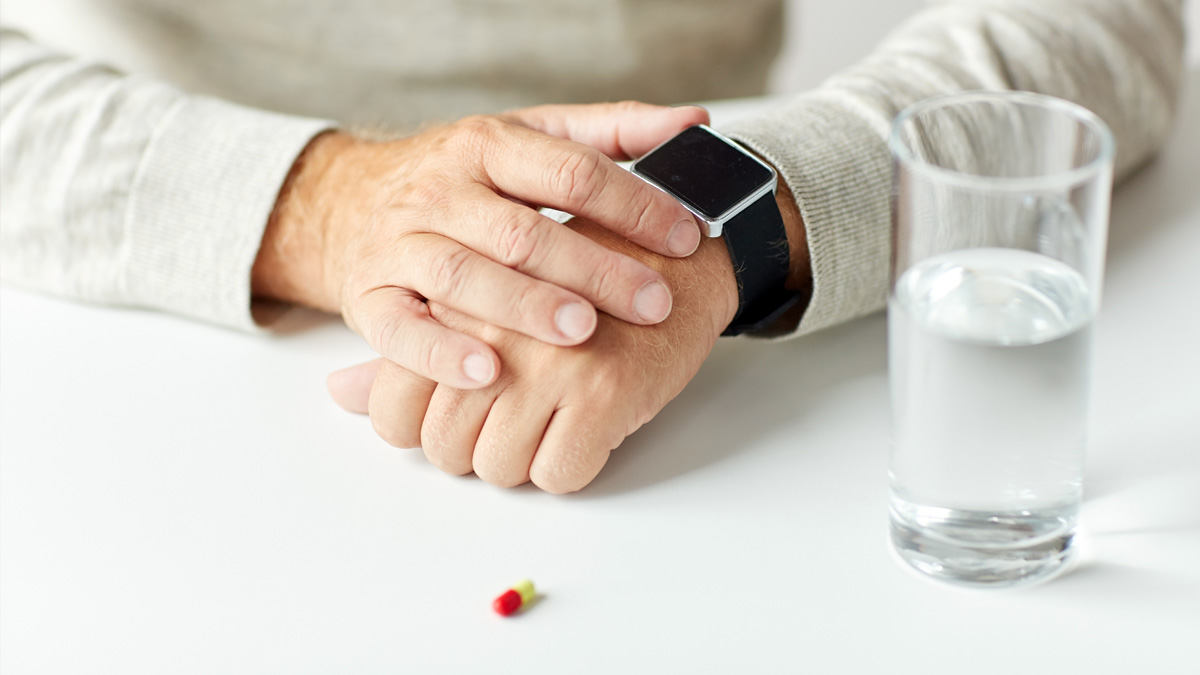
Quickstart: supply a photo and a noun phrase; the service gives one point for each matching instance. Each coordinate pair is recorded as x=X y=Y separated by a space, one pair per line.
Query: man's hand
x=555 y=412
x=374 y=230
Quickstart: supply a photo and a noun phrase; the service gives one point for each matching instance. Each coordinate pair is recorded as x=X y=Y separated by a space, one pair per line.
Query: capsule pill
x=514 y=598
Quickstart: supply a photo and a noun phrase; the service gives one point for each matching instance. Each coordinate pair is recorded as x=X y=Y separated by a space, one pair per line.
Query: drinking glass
x=999 y=224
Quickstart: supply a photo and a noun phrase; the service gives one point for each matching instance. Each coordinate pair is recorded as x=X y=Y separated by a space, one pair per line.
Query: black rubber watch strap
x=758 y=246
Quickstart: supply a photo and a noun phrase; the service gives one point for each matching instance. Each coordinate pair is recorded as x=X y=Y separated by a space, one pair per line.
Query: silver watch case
x=716 y=226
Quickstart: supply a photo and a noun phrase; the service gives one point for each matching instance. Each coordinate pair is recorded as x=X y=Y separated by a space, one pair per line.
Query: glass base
x=983 y=549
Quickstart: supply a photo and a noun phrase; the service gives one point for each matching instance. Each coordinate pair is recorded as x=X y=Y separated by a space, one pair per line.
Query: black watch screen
x=704 y=172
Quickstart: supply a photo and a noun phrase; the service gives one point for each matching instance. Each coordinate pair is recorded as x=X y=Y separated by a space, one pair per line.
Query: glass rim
x=1074 y=176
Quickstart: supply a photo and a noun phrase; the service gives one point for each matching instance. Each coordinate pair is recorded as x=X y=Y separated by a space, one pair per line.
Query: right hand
x=554 y=415
x=374 y=229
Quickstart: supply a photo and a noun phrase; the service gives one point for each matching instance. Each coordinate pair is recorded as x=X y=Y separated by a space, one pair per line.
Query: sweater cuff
x=200 y=201
x=839 y=170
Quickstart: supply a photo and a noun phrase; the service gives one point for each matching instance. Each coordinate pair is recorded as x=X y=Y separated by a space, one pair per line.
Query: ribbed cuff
x=200 y=202
x=839 y=171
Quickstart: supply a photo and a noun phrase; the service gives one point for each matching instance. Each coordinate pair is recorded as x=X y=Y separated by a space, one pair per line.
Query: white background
x=176 y=498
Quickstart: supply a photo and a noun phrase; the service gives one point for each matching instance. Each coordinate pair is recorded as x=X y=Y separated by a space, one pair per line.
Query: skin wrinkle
x=577 y=399
x=567 y=463
x=605 y=388
x=595 y=378
x=354 y=202
x=502 y=431
x=852 y=274
x=443 y=419
x=501 y=435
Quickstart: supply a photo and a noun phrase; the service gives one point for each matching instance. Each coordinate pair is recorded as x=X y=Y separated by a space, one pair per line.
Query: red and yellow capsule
x=514 y=598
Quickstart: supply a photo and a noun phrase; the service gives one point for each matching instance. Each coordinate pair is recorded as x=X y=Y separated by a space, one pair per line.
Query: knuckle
x=473 y=134
x=447 y=274
x=431 y=194
x=440 y=437
x=394 y=432
x=527 y=303
x=629 y=106
x=386 y=332
x=605 y=281
x=428 y=357
x=576 y=177
x=644 y=207
x=608 y=389
x=542 y=478
x=554 y=487
x=496 y=471
x=473 y=127
x=441 y=452
x=557 y=479
x=519 y=238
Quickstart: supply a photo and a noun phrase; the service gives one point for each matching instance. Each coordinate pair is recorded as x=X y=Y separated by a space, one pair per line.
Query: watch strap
x=758 y=247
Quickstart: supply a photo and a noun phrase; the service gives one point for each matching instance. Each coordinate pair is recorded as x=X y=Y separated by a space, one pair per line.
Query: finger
x=531 y=243
x=620 y=130
x=581 y=180
x=397 y=404
x=398 y=326
x=458 y=277
x=350 y=387
x=575 y=447
x=509 y=438
x=452 y=425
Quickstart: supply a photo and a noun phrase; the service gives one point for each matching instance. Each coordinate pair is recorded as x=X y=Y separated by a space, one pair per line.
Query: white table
x=176 y=498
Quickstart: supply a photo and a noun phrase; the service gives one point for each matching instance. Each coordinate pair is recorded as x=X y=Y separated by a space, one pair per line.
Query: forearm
x=1121 y=58
x=122 y=190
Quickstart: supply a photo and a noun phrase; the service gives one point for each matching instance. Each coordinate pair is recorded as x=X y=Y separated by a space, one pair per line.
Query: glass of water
x=1000 y=219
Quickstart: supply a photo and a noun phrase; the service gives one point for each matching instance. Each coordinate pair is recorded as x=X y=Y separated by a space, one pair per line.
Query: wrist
x=714 y=261
x=705 y=282
x=294 y=262
x=711 y=272
x=800 y=266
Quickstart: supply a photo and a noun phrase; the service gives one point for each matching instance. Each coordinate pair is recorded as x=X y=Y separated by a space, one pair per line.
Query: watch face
x=704 y=172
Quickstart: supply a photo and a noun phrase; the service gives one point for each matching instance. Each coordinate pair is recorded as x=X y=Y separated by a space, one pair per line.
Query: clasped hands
x=494 y=357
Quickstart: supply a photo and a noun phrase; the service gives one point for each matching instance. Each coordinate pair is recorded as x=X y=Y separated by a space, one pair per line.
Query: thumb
x=350 y=387
x=620 y=130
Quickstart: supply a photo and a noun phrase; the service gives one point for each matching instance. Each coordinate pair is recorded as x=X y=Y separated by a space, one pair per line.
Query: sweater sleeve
x=1123 y=59
x=121 y=190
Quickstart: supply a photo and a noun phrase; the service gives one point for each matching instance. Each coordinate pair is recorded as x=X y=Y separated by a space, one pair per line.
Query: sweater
x=142 y=170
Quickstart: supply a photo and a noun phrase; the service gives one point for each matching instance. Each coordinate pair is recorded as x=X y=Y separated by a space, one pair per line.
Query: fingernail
x=652 y=303
x=684 y=237
x=575 y=320
x=478 y=368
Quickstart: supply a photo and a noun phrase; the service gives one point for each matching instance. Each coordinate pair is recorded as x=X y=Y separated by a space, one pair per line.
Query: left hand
x=555 y=413
x=374 y=229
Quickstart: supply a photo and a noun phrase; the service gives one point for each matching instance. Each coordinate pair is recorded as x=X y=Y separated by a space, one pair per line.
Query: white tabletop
x=176 y=498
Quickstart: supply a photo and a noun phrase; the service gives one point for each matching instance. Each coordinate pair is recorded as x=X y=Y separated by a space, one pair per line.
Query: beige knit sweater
x=142 y=171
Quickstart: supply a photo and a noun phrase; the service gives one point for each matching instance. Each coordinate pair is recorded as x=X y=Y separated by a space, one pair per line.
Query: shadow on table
x=747 y=389
x=287 y=320
x=1120 y=583
x=1161 y=198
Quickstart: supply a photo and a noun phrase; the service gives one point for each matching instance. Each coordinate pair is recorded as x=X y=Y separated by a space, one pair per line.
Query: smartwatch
x=733 y=193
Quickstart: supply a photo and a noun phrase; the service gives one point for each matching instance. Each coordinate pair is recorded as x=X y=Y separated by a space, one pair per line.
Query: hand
x=374 y=230
x=556 y=412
